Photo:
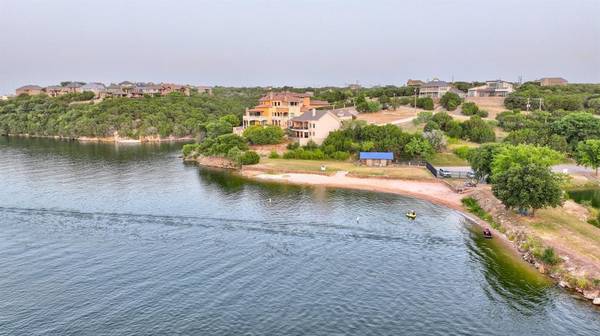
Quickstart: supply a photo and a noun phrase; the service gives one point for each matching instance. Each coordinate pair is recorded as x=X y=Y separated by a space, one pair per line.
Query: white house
x=494 y=88
x=313 y=125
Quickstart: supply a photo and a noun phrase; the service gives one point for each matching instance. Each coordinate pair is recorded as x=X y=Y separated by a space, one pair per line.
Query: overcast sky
x=310 y=42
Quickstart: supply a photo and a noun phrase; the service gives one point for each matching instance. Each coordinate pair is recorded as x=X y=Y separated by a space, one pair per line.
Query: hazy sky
x=310 y=42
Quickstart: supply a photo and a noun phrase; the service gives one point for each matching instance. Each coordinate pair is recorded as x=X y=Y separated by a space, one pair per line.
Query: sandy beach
x=434 y=192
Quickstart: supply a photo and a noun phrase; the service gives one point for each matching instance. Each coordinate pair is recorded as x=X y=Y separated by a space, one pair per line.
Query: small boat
x=411 y=215
x=487 y=233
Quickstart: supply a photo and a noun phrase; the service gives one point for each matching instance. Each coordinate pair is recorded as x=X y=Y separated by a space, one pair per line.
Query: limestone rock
x=591 y=294
x=597 y=301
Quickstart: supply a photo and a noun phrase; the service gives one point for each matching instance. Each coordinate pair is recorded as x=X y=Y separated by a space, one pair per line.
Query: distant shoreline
x=111 y=139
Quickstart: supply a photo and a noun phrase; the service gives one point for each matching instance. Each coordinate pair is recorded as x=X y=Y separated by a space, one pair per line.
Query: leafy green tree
x=442 y=119
x=588 y=154
x=232 y=119
x=218 y=127
x=425 y=103
x=267 y=135
x=578 y=126
x=454 y=129
x=477 y=130
x=436 y=139
x=249 y=158
x=528 y=186
x=450 y=101
x=523 y=155
x=470 y=108
x=418 y=148
x=481 y=158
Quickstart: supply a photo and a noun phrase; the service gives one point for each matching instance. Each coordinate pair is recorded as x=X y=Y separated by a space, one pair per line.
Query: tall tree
x=530 y=186
x=588 y=154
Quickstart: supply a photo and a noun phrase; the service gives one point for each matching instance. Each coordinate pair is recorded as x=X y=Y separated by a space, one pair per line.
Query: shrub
x=293 y=145
x=234 y=154
x=188 y=149
x=469 y=108
x=454 y=129
x=267 y=135
x=310 y=145
x=249 y=158
x=549 y=256
x=462 y=152
x=340 y=156
x=450 y=101
x=273 y=155
x=423 y=117
x=425 y=103
x=483 y=113
x=430 y=126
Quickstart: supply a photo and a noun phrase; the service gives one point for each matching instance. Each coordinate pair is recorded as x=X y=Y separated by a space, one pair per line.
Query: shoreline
x=430 y=191
x=112 y=139
x=443 y=196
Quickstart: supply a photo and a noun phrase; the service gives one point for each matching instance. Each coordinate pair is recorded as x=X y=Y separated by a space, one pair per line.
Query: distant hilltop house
x=494 y=88
x=277 y=108
x=345 y=113
x=551 y=81
x=31 y=90
x=414 y=83
x=124 y=89
x=354 y=87
x=437 y=88
x=313 y=125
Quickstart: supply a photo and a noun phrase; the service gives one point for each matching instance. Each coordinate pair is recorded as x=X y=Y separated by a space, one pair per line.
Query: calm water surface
x=126 y=240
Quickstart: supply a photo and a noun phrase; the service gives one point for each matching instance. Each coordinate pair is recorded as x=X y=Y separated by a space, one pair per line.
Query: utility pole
x=528 y=104
x=415 y=100
x=540 y=106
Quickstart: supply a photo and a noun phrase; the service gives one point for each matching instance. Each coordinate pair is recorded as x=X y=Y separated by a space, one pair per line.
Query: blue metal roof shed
x=376 y=156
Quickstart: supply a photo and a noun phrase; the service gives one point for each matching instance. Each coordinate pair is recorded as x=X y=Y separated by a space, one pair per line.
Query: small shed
x=376 y=159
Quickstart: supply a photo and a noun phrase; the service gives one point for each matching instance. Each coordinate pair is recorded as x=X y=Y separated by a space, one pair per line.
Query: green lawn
x=447 y=160
x=310 y=166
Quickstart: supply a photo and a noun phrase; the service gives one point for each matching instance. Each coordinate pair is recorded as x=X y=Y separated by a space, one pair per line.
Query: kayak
x=411 y=216
x=487 y=234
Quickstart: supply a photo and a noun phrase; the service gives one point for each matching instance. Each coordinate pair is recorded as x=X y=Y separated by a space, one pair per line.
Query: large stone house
x=277 y=108
x=31 y=90
x=550 y=81
x=495 y=88
x=97 y=88
x=313 y=125
x=436 y=89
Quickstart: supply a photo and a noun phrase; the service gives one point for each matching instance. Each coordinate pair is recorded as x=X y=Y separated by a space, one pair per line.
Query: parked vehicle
x=444 y=173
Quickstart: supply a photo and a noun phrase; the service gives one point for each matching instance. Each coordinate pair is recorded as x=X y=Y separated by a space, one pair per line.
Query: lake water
x=99 y=239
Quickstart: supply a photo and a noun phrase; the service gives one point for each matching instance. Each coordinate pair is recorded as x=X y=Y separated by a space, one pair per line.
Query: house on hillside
x=437 y=88
x=97 y=88
x=376 y=159
x=171 y=88
x=204 y=89
x=345 y=113
x=414 y=83
x=31 y=90
x=73 y=87
x=55 y=90
x=494 y=88
x=551 y=81
x=114 y=91
x=313 y=125
x=278 y=108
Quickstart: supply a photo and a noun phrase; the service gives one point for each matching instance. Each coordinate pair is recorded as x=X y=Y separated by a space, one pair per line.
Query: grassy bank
x=309 y=166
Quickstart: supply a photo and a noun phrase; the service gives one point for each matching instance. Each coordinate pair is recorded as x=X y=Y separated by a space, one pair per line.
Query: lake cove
x=126 y=239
